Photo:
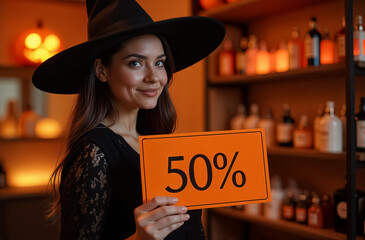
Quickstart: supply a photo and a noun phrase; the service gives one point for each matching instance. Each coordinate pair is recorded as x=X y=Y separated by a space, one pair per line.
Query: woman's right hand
x=157 y=218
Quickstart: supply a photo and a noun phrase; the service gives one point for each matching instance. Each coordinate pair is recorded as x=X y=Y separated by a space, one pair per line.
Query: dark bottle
x=340 y=206
x=301 y=209
x=312 y=43
x=288 y=209
x=327 y=208
x=360 y=127
x=284 y=129
x=2 y=177
x=315 y=213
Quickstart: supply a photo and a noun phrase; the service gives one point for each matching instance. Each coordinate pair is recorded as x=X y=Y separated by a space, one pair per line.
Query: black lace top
x=88 y=207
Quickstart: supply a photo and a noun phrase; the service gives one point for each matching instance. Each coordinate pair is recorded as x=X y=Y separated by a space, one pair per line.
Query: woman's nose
x=152 y=75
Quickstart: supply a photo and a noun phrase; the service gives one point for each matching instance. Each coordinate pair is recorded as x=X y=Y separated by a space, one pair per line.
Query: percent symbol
x=234 y=175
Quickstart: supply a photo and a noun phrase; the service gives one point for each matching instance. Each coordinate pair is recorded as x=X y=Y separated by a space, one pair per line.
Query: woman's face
x=137 y=73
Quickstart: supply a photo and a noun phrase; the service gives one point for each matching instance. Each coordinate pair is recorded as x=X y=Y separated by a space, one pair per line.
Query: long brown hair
x=95 y=102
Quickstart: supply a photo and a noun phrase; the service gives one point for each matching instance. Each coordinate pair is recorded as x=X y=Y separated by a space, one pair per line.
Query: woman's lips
x=149 y=92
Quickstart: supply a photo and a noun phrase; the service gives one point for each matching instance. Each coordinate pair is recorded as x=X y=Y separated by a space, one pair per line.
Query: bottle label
x=341 y=210
x=288 y=212
x=331 y=135
x=294 y=58
x=313 y=219
x=284 y=132
x=341 y=46
x=312 y=47
x=360 y=133
x=301 y=214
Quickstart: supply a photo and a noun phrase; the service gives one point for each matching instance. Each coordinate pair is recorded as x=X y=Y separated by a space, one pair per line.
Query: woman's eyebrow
x=142 y=56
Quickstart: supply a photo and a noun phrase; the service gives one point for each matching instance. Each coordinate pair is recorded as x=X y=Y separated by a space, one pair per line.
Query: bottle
x=272 y=209
x=316 y=126
x=301 y=209
x=251 y=55
x=272 y=60
x=2 y=176
x=288 y=209
x=268 y=124
x=262 y=59
x=330 y=130
x=303 y=136
x=282 y=57
x=240 y=56
x=238 y=120
x=359 y=36
x=327 y=48
x=253 y=119
x=9 y=125
x=27 y=122
x=226 y=59
x=340 y=42
x=312 y=43
x=344 y=127
x=327 y=208
x=360 y=127
x=284 y=129
x=296 y=50
x=340 y=206
x=315 y=213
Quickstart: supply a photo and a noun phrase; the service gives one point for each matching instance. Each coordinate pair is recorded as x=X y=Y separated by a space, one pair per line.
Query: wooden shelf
x=13 y=71
x=243 y=11
x=282 y=225
x=24 y=192
x=303 y=73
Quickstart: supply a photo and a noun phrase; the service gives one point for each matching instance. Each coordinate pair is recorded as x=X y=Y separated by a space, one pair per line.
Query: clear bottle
x=240 y=56
x=9 y=125
x=315 y=213
x=303 y=136
x=272 y=209
x=284 y=129
x=268 y=124
x=312 y=41
x=282 y=57
x=327 y=49
x=251 y=55
x=253 y=119
x=316 y=126
x=227 y=59
x=296 y=50
x=301 y=209
x=238 y=120
x=340 y=42
x=330 y=130
x=262 y=59
x=359 y=37
x=360 y=127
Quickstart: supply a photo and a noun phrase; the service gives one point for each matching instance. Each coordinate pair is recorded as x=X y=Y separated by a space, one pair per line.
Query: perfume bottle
x=303 y=136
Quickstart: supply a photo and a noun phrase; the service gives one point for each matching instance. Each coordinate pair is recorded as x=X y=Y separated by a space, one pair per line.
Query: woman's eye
x=160 y=63
x=135 y=64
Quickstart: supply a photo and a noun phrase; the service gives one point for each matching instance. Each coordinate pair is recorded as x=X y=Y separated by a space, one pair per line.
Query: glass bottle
x=253 y=119
x=315 y=213
x=359 y=37
x=272 y=209
x=340 y=42
x=268 y=124
x=27 y=122
x=312 y=43
x=316 y=126
x=240 y=55
x=251 y=55
x=238 y=120
x=9 y=125
x=284 y=129
x=327 y=49
x=327 y=207
x=282 y=57
x=263 y=59
x=288 y=209
x=226 y=59
x=296 y=50
x=331 y=130
x=301 y=209
x=303 y=136
x=360 y=126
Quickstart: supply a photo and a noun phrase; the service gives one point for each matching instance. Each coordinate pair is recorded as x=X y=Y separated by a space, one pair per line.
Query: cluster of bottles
x=328 y=134
x=310 y=208
x=253 y=58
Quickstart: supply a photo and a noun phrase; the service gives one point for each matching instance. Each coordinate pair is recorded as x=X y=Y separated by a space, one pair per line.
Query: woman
x=122 y=75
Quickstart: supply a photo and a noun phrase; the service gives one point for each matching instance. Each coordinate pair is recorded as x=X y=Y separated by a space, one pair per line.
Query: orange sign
x=206 y=170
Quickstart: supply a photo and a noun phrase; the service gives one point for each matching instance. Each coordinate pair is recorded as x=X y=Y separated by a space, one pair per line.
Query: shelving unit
x=333 y=81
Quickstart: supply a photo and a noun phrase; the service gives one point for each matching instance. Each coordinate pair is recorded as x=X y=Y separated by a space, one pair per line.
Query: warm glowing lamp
x=36 y=45
x=262 y=59
x=48 y=128
x=282 y=57
x=327 y=49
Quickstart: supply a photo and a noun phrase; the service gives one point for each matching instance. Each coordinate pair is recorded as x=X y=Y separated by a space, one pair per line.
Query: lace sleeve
x=92 y=194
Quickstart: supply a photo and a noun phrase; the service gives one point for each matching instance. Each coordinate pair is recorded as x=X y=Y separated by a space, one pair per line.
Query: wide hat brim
x=190 y=39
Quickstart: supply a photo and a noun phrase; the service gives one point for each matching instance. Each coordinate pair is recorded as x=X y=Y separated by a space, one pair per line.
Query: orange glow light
x=52 y=43
x=48 y=128
x=33 y=41
x=30 y=179
x=282 y=60
x=327 y=52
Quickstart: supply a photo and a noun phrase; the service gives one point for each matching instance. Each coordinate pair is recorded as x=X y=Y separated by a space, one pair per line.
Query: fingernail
x=175 y=200
x=187 y=216
x=184 y=209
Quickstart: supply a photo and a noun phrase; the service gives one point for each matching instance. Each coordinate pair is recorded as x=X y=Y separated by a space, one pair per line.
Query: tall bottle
x=238 y=120
x=303 y=136
x=327 y=49
x=316 y=126
x=251 y=55
x=240 y=56
x=253 y=119
x=282 y=57
x=296 y=50
x=284 y=129
x=340 y=42
x=312 y=42
x=360 y=127
x=9 y=124
x=268 y=124
x=315 y=213
x=331 y=130
x=359 y=36
x=301 y=209
x=226 y=59
x=263 y=59
x=272 y=209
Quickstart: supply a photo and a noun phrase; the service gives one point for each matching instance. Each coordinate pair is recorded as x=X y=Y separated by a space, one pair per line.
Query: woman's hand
x=157 y=218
